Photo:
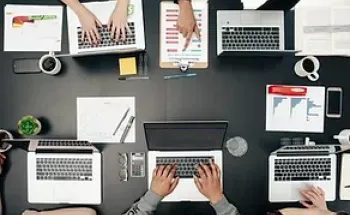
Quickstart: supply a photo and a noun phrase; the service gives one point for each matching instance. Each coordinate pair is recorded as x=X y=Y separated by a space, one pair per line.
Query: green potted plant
x=29 y=126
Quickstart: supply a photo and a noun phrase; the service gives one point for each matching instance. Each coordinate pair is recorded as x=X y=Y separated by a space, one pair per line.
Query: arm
x=210 y=186
x=163 y=183
x=223 y=207
x=75 y=5
x=147 y=204
x=87 y=20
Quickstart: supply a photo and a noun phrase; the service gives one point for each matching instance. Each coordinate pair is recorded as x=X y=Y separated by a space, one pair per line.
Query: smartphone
x=334 y=102
x=26 y=66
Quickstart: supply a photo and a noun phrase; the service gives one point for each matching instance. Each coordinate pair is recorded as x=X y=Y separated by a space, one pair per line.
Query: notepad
x=127 y=66
x=344 y=193
x=98 y=118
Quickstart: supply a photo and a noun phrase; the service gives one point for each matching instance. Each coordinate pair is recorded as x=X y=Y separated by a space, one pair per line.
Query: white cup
x=49 y=64
x=343 y=137
x=308 y=67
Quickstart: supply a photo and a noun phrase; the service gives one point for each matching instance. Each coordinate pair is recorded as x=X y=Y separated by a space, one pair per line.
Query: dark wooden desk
x=230 y=89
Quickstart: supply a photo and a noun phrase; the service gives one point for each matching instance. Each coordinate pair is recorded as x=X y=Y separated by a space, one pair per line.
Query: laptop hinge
x=67 y=151
x=301 y=154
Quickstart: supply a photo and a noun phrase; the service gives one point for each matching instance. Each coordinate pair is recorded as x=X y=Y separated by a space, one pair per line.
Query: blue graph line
x=293 y=103
x=276 y=102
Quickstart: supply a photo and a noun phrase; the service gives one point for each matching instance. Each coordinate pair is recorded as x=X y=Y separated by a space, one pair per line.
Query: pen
x=121 y=121
x=126 y=131
x=140 y=65
x=347 y=186
x=168 y=77
x=133 y=78
x=145 y=64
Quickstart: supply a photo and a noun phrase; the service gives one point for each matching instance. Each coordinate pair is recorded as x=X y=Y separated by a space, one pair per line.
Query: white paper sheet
x=98 y=118
x=172 y=42
x=344 y=193
x=252 y=4
x=38 y=35
x=291 y=111
x=323 y=30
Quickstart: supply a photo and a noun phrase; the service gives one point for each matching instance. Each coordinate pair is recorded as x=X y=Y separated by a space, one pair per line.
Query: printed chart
x=294 y=108
x=172 y=42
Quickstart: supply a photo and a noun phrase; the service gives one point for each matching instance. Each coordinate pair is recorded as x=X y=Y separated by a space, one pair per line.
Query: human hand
x=316 y=196
x=88 y=23
x=118 y=21
x=209 y=182
x=163 y=182
x=2 y=161
x=186 y=23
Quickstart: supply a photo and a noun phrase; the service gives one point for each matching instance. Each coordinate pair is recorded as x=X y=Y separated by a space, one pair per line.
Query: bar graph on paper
x=302 y=113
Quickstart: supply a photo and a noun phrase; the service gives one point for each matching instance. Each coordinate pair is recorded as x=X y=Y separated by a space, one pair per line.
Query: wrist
x=216 y=199
x=123 y=3
x=184 y=2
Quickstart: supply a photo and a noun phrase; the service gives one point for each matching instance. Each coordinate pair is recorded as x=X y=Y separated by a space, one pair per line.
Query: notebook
x=344 y=193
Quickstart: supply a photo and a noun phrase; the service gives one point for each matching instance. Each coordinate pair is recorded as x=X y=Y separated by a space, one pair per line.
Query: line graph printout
x=295 y=108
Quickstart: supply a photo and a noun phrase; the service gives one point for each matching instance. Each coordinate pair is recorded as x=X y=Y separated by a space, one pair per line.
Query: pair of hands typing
x=164 y=183
x=118 y=27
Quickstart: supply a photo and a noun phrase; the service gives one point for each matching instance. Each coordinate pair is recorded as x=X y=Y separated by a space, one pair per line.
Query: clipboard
x=172 y=42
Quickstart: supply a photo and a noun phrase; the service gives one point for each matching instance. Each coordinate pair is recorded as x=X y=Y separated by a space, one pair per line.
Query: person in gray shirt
x=164 y=183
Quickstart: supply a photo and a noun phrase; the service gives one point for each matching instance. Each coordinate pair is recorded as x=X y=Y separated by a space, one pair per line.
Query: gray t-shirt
x=149 y=202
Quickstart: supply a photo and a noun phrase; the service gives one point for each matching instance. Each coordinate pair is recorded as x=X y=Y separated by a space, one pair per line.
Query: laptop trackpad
x=297 y=188
x=62 y=194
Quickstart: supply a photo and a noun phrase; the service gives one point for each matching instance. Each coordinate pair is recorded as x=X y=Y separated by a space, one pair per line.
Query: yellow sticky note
x=127 y=66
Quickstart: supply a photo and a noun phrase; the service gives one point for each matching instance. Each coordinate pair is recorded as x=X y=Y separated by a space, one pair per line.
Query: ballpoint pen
x=126 y=131
x=168 y=77
x=121 y=121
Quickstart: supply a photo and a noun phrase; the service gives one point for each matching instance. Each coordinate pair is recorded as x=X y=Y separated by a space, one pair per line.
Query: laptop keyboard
x=185 y=166
x=64 y=169
x=66 y=143
x=303 y=169
x=250 y=38
x=106 y=40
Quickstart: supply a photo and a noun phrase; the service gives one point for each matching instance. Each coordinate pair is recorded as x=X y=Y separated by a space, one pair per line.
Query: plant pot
x=29 y=126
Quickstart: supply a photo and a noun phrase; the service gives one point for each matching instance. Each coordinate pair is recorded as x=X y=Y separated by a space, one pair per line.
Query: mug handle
x=313 y=76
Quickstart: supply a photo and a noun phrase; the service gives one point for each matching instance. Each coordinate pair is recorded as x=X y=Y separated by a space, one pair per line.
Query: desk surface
x=230 y=89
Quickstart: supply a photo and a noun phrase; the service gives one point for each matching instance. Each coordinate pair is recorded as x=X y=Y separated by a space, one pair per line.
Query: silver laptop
x=184 y=144
x=250 y=31
x=293 y=168
x=102 y=10
x=63 y=171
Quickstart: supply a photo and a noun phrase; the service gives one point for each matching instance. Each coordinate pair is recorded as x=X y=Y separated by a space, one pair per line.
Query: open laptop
x=64 y=171
x=184 y=144
x=102 y=10
x=293 y=168
x=250 y=32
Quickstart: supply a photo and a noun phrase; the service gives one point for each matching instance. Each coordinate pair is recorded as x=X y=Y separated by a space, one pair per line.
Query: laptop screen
x=185 y=136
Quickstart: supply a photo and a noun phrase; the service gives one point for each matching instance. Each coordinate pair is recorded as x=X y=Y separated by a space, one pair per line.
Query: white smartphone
x=334 y=102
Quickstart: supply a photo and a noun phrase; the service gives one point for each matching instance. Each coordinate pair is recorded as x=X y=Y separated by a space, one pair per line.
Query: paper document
x=104 y=119
x=322 y=30
x=344 y=188
x=33 y=28
x=252 y=4
x=295 y=108
x=172 y=41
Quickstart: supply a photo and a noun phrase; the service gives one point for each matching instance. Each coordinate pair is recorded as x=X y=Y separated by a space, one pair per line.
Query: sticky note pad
x=127 y=66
